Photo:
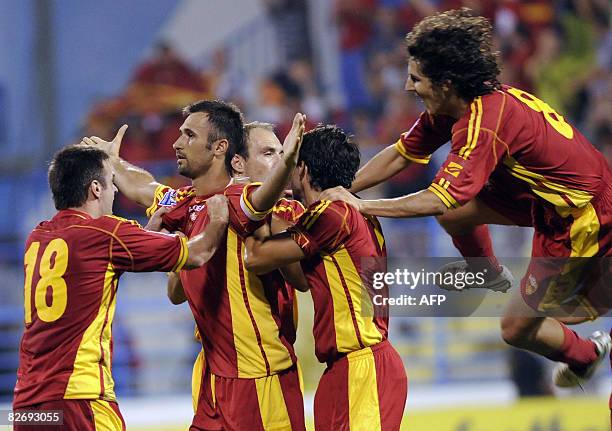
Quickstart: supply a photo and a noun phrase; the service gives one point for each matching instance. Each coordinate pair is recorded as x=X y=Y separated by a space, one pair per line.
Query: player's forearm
x=135 y=183
x=420 y=204
x=380 y=168
x=294 y=275
x=266 y=196
x=176 y=293
x=278 y=251
x=204 y=245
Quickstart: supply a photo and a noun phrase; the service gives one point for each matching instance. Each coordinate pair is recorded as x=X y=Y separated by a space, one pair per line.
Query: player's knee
x=453 y=224
x=514 y=331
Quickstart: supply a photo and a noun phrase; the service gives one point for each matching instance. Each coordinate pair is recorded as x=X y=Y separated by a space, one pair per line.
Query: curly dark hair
x=456 y=45
x=331 y=156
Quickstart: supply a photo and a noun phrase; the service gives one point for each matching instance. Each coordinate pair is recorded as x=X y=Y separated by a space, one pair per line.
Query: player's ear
x=96 y=189
x=238 y=163
x=303 y=171
x=219 y=147
x=447 y=85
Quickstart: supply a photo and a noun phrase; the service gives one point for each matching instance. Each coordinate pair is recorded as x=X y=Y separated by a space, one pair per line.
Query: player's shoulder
x=325 y=210
x=484 y=112
x=109 y=225
x=234 y=189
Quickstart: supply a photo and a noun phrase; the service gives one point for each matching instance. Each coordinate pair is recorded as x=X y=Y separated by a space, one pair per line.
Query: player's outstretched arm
x=419 y=204
x=135 y=183
x=204 y=245
x=266 y=196
x=176 y=293
x=264 y=255
x=381 y=167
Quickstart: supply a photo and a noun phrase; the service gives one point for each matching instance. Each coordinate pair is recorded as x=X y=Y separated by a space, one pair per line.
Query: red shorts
x=272 y=402
x=366 y=389
x=571 y=255
x=571 y=251
x=79 y=415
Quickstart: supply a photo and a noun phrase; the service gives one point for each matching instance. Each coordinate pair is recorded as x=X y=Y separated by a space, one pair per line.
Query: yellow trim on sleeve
x=249 y=205
x=157 y=197
x=444 y=196
x=400 y=149
x=183 y=255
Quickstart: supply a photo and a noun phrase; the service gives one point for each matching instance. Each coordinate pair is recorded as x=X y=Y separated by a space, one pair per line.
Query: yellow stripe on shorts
x=105 y=418
x=364 y=409
x=272 y=407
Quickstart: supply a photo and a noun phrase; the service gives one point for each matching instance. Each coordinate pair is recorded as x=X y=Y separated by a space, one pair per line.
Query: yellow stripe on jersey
x=84 y=381
x=476 y=132
x=157 y=196
x=105 y=418
x=444 y=195
x=313 y=212
x=249 y=360
x=196 y=379
x=546 y=189
x=364 y=406
x=469 y=129
x=339 y=267
x=277 y=354
x=317 y=213
x=399 y=147
x=272 y=407
x=184 y=254
x=249 y=352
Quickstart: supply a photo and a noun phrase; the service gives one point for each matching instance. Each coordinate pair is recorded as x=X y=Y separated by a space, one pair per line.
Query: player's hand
x=218 y=211
x=341 y=194
x=293 y=141
x=109 y=147
x=155 y=222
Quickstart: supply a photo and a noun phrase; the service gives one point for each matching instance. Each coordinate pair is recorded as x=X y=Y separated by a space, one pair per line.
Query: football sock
x=477 y=250
x=575 y=351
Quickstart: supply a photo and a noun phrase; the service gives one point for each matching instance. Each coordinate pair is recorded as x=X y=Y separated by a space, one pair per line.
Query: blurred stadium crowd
x=559 y=50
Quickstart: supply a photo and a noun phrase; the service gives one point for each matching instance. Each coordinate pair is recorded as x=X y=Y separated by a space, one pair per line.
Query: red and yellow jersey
x=344 y=249
x=239 y=315
x=512 y=130
x=72 y=266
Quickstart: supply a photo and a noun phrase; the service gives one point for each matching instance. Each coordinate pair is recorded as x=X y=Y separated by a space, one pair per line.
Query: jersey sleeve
x=135 y=249
x=166 y=196
x=323 y=227
x=426 y=135
x=243 y=217
x=476 y=150
x=289 y=210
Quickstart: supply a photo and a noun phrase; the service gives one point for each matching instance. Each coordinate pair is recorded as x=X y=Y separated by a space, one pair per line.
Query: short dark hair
x=457 y=46
x=71 y=172
x=243 y=148
x=332 y=158
x=226 y=121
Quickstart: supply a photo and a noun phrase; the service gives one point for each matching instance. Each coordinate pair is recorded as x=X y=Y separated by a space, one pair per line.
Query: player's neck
x=89 y=208
x=310 y=196
x=456 y=107
x=215 y=179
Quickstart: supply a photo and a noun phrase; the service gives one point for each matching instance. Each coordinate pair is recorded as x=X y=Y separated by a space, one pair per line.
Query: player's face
x=265 y=151
x=107 y=196
x=194 y=154
x=432 y=95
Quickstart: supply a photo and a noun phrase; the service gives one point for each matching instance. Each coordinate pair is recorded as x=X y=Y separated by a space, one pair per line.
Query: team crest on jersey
x=169 y=199
x=531 y=286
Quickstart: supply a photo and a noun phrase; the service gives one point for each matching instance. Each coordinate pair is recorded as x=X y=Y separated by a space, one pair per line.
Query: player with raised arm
x=365 y=384
x=513 y=160
x=252 y=160
x=72 y=266
x=254 y=377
